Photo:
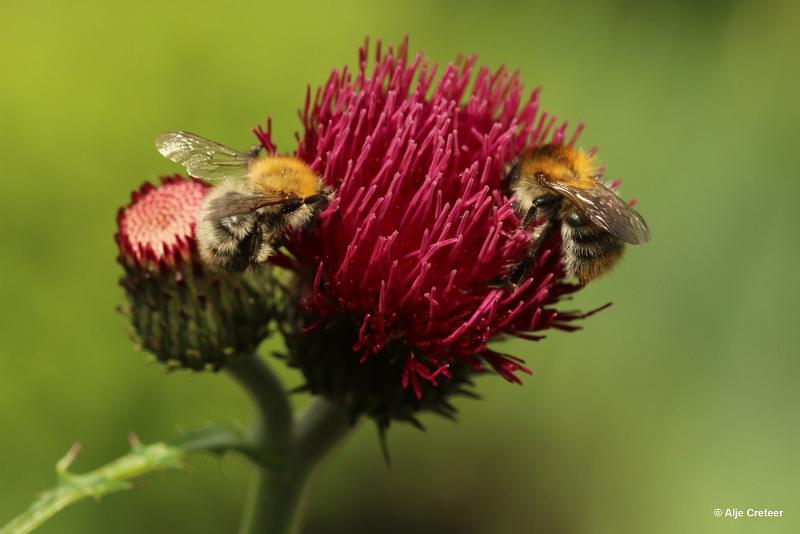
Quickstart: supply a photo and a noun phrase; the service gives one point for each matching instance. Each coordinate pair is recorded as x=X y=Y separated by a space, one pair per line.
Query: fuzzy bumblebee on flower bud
x=179 y=311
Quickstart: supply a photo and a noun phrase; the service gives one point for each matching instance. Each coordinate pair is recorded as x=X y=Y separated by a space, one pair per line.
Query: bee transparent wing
x=234 y=203
x=202 y=157
x=605 y=209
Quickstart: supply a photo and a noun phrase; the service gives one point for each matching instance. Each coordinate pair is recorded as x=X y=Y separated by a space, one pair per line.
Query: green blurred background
x=681 y=398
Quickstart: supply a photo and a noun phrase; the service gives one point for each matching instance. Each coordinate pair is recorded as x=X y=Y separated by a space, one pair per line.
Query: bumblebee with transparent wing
x=258 y=200
x=557 y=187
x=201 y=157
x=605 y=209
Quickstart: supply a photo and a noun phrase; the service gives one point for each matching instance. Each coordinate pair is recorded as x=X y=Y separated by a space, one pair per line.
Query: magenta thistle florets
x=412 y=249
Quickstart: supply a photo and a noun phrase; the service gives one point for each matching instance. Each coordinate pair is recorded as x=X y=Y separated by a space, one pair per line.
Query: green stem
x=117 y=475
x=285 y=454
x=272 y=432
x=323 y=425
x=216 y=440
x=273 y=504
x=276 y=502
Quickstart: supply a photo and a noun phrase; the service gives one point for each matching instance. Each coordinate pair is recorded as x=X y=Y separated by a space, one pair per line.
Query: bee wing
x=234 y=203
x=202 y=157
x=605 y=209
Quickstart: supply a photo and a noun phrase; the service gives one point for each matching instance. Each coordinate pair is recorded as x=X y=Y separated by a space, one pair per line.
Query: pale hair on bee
x=559 y=188
x=259 y=199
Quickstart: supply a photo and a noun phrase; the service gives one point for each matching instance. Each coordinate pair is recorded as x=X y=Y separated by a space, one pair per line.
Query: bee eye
x=576 y=219
x=291 y=204
x=546 y=201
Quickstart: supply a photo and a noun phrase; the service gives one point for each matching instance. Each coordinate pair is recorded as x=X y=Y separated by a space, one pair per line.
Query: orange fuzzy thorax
x=284 y=175
x=560 y=163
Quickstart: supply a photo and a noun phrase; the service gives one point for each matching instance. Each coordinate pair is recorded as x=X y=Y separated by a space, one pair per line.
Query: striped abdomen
x=588 y=250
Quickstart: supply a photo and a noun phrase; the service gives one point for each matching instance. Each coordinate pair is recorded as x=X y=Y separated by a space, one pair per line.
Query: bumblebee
x=558 y=188
x=260 y=198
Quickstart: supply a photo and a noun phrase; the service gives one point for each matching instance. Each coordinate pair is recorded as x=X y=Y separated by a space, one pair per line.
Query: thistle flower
x=182 y=314
x=398 y=280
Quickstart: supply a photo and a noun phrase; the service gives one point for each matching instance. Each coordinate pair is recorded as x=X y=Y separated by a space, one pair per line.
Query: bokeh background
x=681 y=398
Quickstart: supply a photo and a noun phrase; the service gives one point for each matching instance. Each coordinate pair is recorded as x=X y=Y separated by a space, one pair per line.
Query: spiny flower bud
x=184 y=315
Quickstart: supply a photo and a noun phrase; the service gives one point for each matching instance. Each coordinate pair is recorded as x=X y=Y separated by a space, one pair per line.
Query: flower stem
x=274 y=503
x=323 y=425
x=272 y=432
x=278 y=501
x=117 y=475
x=287 y=453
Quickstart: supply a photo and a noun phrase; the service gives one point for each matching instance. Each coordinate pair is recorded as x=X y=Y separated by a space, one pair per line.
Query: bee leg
x=520 y=272
x=263 y=252
x=517 y=276
x=242 y=257
x=513 y=279
x=529 y=216
x=545 y=203
x=254 y=246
